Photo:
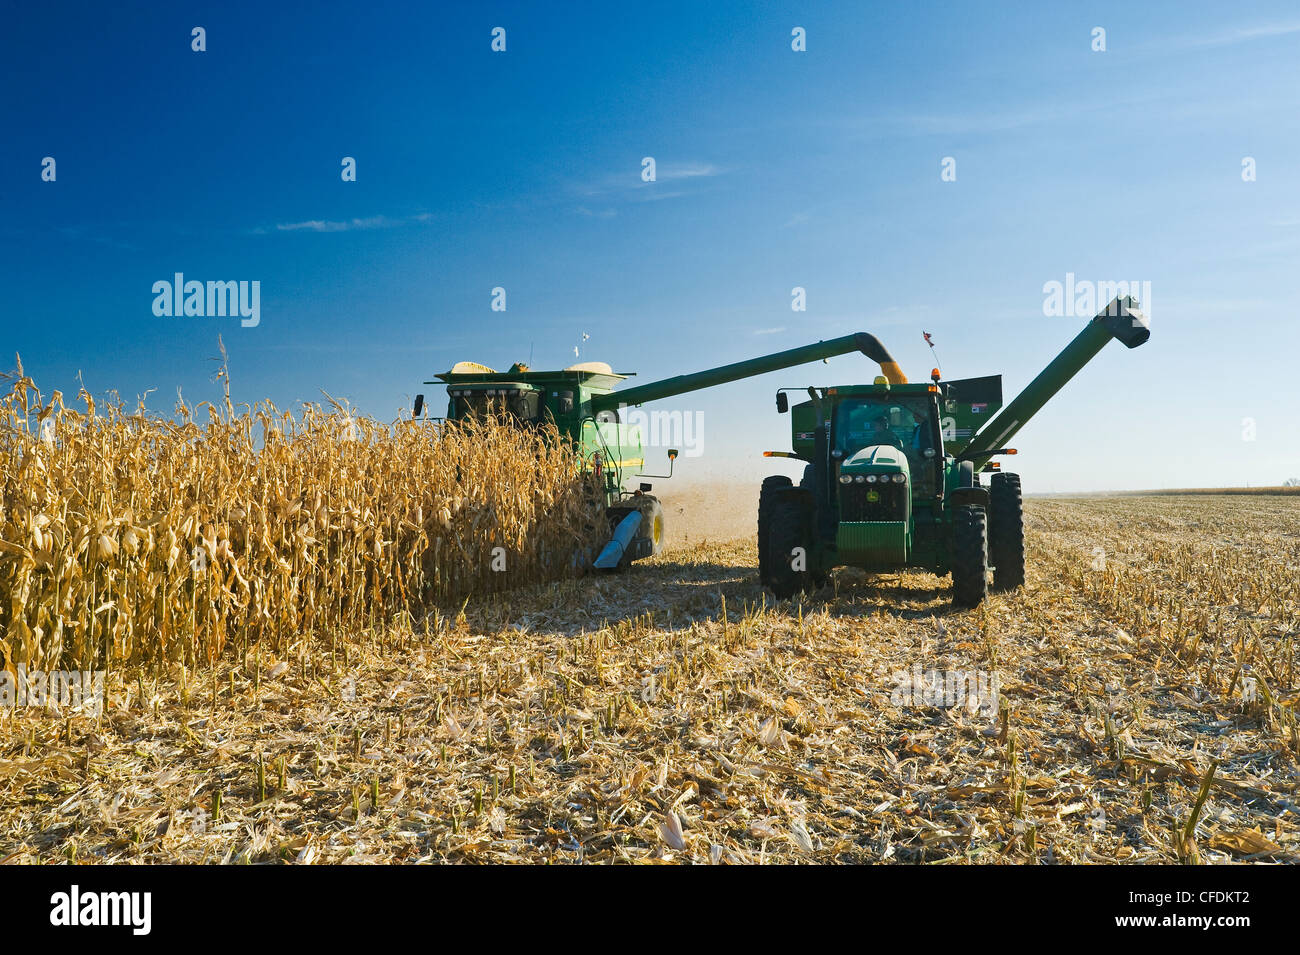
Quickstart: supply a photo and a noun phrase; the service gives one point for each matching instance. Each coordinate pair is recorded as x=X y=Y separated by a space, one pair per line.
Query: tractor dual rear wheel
x=970 y=556
x=772 y=487
x=1007 y=532
x=789 y=544
x=821 y=578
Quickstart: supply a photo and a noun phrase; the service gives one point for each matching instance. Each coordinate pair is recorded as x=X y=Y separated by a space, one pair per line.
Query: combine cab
x=611 y=451
x=893 y=475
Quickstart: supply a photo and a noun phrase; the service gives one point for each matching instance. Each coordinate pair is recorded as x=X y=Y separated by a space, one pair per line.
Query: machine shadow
x=692 y=590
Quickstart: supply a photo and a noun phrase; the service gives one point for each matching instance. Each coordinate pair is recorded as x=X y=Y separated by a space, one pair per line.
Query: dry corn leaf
x=1243 y=842
x=671 y=830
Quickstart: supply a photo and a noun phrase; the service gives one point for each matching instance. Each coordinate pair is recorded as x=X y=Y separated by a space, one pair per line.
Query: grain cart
x=893 y=474
x=582 y=403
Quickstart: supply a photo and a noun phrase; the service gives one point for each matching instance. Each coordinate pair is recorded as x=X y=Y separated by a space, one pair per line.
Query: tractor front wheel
x=970 y=556
x=789 y=545
x=1007 y=532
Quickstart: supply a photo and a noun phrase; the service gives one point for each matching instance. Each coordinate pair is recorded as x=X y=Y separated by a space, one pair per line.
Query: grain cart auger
x=893 y=475
x=581 y=402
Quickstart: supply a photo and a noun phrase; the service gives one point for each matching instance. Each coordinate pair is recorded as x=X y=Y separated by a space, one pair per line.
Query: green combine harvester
x=892 y=469
x=582 y=404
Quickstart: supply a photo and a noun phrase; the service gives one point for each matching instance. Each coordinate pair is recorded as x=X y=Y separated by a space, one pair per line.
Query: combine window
x=563 y=401
x=513 y=405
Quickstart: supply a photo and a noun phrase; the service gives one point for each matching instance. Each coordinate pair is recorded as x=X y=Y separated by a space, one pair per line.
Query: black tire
x=819 y=580
x=789 y=529
x=970 y=556
x=1007 y=532
x=772 y=486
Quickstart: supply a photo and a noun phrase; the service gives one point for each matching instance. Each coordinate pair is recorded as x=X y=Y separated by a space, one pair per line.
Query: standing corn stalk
x=127 y=538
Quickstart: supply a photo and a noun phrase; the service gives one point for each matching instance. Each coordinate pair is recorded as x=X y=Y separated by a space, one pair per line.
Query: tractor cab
x=871 y=429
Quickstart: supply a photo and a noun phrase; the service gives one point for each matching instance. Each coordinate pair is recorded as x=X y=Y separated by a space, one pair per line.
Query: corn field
x=130 y=538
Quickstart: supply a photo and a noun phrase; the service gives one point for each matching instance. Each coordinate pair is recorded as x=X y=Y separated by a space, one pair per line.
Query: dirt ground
x=1134 y=703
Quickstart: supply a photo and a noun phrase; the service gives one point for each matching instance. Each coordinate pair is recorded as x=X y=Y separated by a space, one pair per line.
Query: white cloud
x=321 y=225
x=630 y=185
x=1233 y=36
x=689 y=170
x=654 y=195
x=345 y=225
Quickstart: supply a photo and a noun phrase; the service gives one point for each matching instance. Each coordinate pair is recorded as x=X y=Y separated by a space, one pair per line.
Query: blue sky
x=776 y=169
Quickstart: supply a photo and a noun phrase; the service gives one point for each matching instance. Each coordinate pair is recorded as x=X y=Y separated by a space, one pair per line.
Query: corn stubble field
x=319 y=713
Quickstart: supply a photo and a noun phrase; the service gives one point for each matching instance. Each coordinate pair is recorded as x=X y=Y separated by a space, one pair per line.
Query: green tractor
x=893 y=475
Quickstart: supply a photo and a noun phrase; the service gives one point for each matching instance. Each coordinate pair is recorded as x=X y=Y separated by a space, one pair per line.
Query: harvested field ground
x=628 y=718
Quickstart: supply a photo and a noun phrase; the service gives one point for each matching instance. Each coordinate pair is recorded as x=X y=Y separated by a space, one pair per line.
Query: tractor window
x=899 y=422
